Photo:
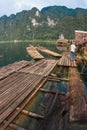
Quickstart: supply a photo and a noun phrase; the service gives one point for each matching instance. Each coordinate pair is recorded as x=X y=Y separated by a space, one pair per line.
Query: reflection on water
x=12 y=52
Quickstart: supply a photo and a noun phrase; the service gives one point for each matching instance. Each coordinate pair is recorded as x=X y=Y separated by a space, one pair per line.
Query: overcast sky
x=8 y=7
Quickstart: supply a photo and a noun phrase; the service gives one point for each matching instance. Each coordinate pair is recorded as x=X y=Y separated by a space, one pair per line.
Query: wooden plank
x=78 y=106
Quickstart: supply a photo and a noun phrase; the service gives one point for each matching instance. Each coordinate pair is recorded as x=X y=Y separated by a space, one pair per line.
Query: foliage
x=20 y=27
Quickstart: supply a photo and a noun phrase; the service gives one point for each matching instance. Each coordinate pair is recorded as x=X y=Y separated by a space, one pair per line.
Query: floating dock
x=65 y=61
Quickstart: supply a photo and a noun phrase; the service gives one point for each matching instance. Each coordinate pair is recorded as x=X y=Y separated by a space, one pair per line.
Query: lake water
x=11 y=52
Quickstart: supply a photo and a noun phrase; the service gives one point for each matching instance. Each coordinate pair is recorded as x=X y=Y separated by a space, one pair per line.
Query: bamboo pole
x=50 y=91
x=54 y=80
x=14 y=126
x=31 y=114
x=57 y=78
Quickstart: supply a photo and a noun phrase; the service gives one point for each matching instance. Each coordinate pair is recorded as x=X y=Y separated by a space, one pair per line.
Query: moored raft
x=31 y=50
x=43 y=49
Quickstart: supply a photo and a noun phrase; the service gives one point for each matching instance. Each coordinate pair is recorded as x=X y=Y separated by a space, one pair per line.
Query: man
x=72 y=51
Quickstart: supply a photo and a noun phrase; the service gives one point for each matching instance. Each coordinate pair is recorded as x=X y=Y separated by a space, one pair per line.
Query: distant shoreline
x=21 y=41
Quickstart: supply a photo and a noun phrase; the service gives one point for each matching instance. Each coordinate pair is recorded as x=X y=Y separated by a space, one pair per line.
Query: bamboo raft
x=78 y=101
x=31 y=50
x=65 y=61
x=27 y=81
x=45 y=50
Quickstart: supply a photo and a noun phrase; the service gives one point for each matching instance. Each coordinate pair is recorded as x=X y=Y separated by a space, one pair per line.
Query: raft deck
x=11 y=68
x=65 y=61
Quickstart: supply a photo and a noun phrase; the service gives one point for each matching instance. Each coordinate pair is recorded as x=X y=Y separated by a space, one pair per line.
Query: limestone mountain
x=48 y=23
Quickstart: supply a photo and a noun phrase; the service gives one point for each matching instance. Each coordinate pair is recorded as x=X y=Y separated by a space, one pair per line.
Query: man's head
x=73 y=42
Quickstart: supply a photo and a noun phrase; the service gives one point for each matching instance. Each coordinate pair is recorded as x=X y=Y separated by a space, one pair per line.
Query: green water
x=11 y=52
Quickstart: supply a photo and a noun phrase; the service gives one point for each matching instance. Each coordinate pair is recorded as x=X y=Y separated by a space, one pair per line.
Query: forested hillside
x=48 y=23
